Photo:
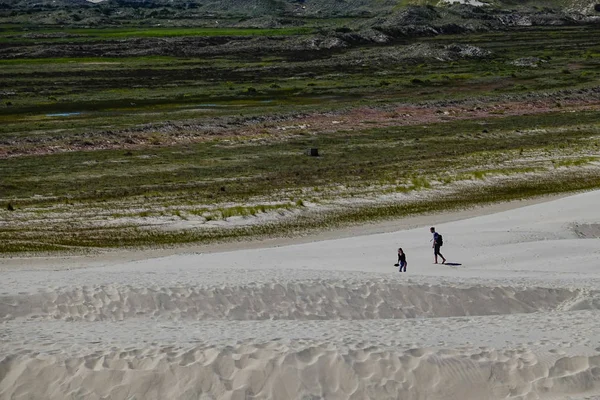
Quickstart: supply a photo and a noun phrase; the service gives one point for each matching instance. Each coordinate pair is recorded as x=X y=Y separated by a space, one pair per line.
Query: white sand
x=475 y=3
x=332 y=319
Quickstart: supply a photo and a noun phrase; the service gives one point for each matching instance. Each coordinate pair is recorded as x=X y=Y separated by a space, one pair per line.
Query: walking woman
x=401 y=260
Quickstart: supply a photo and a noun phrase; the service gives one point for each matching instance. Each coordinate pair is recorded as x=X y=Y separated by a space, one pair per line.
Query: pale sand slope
x=519 y=319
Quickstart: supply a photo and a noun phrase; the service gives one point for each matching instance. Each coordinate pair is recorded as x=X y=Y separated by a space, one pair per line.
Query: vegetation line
x=77 y=240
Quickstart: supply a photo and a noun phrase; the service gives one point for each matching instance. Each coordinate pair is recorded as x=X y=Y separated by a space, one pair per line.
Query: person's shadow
x=453 y=264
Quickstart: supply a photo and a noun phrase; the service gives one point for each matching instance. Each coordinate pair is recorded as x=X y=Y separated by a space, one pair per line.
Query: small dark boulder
x=314 y=152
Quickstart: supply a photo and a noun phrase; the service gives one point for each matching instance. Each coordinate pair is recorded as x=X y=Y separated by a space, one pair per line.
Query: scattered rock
x=532 y=62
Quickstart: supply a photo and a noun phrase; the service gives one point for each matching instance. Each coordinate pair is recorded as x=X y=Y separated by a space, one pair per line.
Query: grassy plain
x=103 y=152
x=69 y=35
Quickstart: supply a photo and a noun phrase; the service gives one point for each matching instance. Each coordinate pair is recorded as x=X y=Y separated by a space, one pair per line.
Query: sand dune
x=281 y=371
x=517 y=317
x=303 y=300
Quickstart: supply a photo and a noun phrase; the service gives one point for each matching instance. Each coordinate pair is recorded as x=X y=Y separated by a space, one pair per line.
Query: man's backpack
x=440 y=240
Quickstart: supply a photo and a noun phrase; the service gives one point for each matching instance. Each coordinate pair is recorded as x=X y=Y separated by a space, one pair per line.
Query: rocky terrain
x=330 y=25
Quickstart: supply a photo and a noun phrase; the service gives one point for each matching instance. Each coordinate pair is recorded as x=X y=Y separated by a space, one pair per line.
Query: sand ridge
x=304 y=300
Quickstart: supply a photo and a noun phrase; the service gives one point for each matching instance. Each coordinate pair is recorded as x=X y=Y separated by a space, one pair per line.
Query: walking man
x=437 y=243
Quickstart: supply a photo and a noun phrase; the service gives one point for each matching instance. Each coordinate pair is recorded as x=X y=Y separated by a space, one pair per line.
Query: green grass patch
x=87 y=34
x=576 y=162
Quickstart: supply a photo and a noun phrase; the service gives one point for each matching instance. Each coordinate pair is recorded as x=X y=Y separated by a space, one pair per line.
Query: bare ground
x=281 y=127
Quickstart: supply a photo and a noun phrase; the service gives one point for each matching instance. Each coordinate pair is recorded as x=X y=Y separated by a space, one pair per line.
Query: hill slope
x=265 y=13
